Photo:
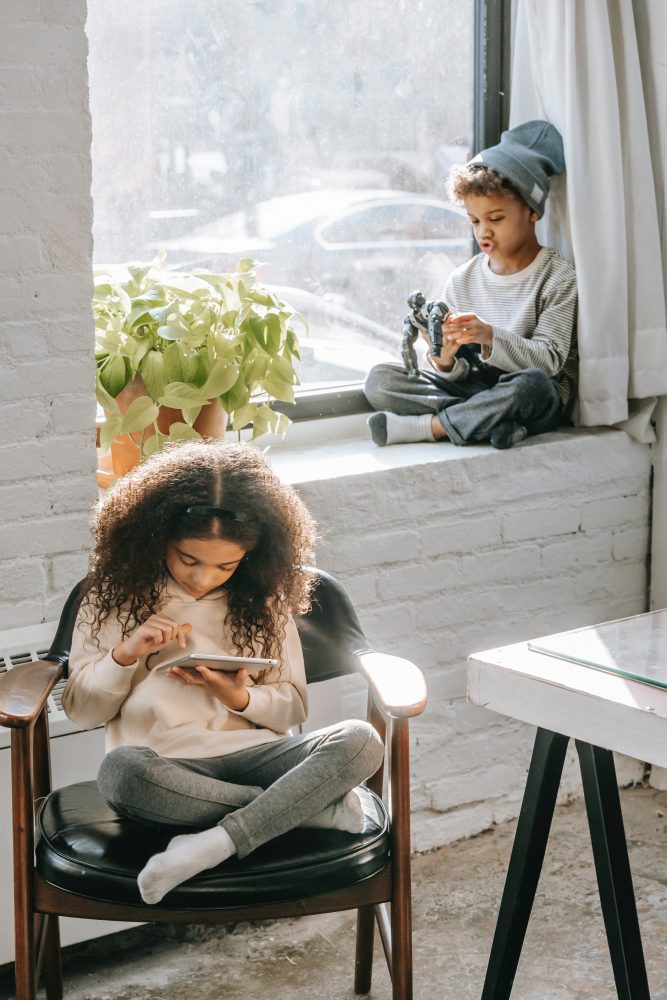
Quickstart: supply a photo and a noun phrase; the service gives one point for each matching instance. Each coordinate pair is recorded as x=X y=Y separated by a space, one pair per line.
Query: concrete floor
x=456 y=893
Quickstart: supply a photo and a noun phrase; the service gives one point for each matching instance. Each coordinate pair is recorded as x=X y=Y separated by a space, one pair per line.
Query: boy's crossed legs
x=430 y=408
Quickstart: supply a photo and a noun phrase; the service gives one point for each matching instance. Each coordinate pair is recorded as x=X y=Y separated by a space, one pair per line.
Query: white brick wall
x=47 y=455
x=474 y=553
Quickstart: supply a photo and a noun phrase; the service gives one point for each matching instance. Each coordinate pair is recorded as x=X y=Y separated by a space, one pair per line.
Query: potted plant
x=180 y=355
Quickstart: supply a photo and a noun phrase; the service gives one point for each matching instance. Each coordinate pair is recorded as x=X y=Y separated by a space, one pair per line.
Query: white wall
x=46 y=330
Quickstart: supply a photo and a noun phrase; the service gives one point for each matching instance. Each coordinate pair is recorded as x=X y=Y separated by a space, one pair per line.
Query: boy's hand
x=154 y=634
x=445 y=360
x=467 y=328
x=229 y=688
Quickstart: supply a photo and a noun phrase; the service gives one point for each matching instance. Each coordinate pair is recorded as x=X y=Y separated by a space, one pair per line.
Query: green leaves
x=222 y=377
x=191 y=338
x=139 y=414
x=113 y=374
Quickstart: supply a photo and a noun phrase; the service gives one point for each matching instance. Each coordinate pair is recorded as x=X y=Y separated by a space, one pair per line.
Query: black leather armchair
x=88 y=858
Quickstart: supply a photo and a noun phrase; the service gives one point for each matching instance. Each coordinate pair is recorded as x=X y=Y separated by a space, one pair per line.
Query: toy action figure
x=430 y=316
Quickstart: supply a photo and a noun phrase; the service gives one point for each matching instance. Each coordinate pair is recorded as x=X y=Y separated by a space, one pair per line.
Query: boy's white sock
x=185 y=856
x=390 y=428
x=343 y=814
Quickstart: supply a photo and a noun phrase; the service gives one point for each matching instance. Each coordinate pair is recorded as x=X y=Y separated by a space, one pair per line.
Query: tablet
x=230 y=664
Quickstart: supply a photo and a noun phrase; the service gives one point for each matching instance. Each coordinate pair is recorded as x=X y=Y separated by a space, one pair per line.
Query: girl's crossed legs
x=247 y=797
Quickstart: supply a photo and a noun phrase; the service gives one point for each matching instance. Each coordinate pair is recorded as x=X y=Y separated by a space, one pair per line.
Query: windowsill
x=330 y=449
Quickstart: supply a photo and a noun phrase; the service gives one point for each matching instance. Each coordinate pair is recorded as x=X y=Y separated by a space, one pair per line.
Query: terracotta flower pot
x=125 y=448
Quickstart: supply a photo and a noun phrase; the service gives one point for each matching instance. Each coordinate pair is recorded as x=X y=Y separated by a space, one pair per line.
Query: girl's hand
x=154 y=634
x=467 y=328
x=229 y=688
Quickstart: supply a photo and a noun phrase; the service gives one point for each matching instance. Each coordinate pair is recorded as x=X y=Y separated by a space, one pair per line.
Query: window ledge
x=331 y=449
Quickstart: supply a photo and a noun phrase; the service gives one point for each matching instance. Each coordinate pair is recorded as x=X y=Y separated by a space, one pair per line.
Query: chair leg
x=24 y=955
x=612 y=865
x=530 y=843
x=52 y=962
x=401 y=904
x=401 y=949
x=363 y=962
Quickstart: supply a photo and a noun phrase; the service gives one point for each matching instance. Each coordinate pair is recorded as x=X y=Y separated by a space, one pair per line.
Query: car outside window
x=314 y=137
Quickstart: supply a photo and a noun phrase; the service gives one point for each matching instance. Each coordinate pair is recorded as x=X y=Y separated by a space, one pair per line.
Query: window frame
x=491 y=95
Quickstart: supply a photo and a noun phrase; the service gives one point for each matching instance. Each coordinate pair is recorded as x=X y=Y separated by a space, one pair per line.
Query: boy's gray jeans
x=255 y=794
x=468 y=410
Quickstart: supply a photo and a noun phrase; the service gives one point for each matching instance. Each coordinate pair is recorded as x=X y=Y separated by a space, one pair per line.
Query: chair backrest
x=330 y=631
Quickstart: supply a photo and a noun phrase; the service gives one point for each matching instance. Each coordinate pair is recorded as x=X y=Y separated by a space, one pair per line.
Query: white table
x=603 y=712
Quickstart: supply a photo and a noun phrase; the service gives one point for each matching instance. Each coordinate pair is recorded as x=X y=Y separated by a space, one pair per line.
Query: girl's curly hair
x=478 y=179
x=146 y=510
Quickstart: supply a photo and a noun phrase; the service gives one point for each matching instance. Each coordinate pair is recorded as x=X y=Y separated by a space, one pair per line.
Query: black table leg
x=530 y=842
x=605 y=821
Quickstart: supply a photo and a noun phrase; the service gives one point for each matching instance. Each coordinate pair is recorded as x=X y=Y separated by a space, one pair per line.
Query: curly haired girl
x=202 y=549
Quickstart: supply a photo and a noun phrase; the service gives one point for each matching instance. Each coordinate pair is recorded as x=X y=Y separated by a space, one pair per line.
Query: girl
x=201 y=549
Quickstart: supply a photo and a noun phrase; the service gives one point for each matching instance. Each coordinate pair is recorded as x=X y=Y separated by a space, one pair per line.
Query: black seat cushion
x=84 y=847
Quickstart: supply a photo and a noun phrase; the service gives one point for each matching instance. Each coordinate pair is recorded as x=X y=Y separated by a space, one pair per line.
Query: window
x=314 y=137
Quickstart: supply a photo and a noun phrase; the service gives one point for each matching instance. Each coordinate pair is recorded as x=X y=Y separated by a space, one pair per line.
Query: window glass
x=314 y=137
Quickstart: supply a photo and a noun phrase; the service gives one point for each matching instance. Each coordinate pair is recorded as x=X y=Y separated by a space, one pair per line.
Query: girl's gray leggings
x=255 y=794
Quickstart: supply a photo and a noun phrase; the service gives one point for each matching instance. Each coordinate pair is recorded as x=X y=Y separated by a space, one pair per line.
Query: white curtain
x=576 y=64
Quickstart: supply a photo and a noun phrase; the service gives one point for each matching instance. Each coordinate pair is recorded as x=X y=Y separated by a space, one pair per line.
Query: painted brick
x=75 y=492
x=578 y=548
x=31 y=296
x=19 y=87
x=14 y=614
x=60 y=11
x=540 y=523
x=21 y=422
x=19 y=11
x=36 y=45
x=614 y=512
x=23 y=500
x=46 y=131
x=66 y=570
x=54 y=456
x=49 y=377
x=361 y=589
x=508 y=563
x=631 y=543
x=36 y=538
x=407 y=581
x=68 y=414
x=26 y=578
x=461 y=536
x=346 y=555
x=20 y=253
x=24 y=340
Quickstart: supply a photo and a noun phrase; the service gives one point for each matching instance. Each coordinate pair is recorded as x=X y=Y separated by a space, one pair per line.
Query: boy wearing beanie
x=516 y=299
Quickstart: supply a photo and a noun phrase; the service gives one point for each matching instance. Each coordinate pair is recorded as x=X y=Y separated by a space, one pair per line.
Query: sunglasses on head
x=224 y=512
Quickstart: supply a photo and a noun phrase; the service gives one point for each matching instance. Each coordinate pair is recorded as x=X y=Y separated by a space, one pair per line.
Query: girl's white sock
x=343 y=814
x=390 y=428
x=185 y=856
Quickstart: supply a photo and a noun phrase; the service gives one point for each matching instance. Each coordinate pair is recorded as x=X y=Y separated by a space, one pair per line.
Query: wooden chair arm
x=24 y=690
x=397 y=684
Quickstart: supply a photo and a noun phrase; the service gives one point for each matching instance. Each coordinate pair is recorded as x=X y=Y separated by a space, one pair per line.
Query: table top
x=579 y=701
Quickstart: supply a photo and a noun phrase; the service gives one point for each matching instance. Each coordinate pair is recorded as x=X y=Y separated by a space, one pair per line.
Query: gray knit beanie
x=527 y=156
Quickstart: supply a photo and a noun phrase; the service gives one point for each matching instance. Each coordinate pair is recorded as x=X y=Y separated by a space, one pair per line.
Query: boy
x=516 y=299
